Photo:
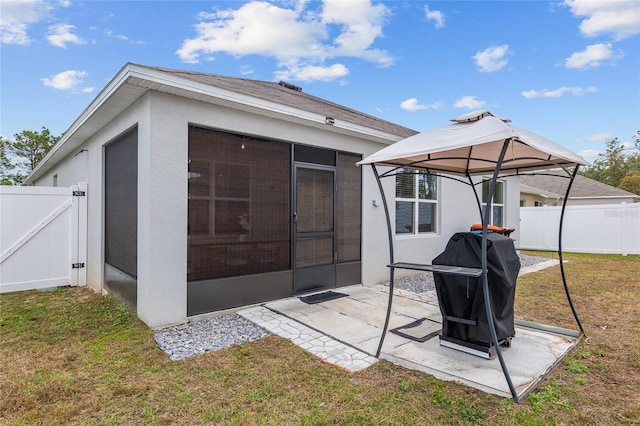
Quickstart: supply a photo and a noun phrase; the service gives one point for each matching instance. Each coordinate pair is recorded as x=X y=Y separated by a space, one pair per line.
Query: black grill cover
x=462 y=297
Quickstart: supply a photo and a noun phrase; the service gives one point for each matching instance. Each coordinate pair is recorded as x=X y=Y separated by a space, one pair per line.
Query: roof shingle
x=582 y=186
x=275 y=92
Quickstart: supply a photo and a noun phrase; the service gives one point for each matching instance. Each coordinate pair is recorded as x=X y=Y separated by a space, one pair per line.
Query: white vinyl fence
x=606 y=228
x=43 y=237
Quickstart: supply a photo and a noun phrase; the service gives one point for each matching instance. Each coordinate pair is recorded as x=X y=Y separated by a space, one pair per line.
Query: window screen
x=121 y=202
x=349 y=207
x=239 y=205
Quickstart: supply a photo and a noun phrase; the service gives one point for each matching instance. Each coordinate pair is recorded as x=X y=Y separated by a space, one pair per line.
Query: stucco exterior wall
x=457 y=211
x=163 y=121
x=87 y=166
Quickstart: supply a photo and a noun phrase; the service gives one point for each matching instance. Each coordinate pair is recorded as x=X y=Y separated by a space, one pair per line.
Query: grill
x=465 y=324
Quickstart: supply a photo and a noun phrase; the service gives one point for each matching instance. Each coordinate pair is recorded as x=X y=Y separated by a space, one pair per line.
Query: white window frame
x=416 y=201
x=500 y=186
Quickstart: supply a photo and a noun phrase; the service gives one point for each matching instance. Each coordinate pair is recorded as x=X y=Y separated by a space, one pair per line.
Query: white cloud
x=492 y=58
x=469 y=102
x=434 y=15
x=111 y=34
x=16 y=17
x=300 y=39
x=558 y=93
x=591 y=57
x=246 y=70
x=360 y=24
x=600 y=137
x=618 y=18
x=590 y=154
x=62 y=34
x=412 y=104
x=629 y=148
x=313 y=73
x=65 y=3
x=71 y=80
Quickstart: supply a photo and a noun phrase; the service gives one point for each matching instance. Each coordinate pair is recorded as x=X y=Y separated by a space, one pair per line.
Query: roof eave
x=165 y=82
x=151 y=79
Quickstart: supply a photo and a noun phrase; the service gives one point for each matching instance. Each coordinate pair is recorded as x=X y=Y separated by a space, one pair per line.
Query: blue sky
x=568 y=70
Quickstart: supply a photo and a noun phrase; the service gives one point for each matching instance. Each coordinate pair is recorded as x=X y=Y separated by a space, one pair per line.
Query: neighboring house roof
x=552 y=186
x=527 y=189
x=259 y=97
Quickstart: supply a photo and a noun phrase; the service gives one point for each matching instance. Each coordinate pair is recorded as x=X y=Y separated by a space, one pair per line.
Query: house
x=208 y=193
x=549 y=190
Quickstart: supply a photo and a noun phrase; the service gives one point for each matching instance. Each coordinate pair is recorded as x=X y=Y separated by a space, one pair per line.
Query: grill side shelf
x=442 y=269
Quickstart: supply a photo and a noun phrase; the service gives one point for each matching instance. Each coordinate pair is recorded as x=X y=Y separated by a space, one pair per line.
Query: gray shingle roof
x=582 y=186
x=274 y=92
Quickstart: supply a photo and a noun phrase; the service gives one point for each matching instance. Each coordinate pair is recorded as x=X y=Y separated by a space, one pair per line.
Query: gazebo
x=476 y=144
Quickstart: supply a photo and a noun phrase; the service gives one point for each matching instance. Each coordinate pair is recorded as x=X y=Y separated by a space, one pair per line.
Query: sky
x=568 y=70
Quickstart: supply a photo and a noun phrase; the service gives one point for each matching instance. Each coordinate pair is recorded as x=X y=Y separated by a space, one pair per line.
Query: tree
x=615 y=168
x=6 y=167
x=631 y=182
x=27 y=149
x=633 y=160
x=609 y=168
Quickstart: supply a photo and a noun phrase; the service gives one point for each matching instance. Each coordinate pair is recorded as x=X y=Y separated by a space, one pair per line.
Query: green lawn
x=71 y=356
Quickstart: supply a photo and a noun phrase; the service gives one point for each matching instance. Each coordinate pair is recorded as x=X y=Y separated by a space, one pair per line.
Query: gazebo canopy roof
x=472 y=146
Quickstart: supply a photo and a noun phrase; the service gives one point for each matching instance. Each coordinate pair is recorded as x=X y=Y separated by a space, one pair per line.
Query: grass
x=71 y=356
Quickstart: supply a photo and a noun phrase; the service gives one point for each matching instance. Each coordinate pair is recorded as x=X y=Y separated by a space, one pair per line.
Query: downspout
x=475 y=193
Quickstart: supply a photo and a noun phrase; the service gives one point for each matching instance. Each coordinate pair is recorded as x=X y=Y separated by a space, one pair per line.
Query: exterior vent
x=290 y=86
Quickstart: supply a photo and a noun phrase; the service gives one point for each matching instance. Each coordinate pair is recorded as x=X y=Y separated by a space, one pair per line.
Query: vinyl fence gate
x=43 y=237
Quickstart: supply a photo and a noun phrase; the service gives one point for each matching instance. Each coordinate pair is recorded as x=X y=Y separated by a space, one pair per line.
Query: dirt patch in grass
x=75 y=357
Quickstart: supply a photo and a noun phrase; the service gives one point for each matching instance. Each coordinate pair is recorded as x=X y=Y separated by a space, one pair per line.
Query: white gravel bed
x=197 y=337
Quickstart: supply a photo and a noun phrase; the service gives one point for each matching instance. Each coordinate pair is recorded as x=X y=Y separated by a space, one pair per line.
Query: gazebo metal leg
x=391 y=257
x=564 y=279
x=485 y=278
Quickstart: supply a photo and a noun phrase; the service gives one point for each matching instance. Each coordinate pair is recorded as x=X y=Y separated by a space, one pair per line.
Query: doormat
x=420 y=330
x=322 y=297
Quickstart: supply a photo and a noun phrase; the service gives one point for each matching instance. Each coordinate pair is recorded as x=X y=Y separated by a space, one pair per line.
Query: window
x=55 y=181
x=416 y=202
x=497 y=205
x=239 y=205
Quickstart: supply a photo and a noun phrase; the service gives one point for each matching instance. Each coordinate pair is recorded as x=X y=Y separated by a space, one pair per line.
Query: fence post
x=82 y=232
x=78 y=230
x=624 y=224
x=545 y=220
x=73 y=242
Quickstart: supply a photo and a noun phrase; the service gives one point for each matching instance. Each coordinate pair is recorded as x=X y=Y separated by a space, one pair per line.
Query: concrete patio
x=346 y=331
